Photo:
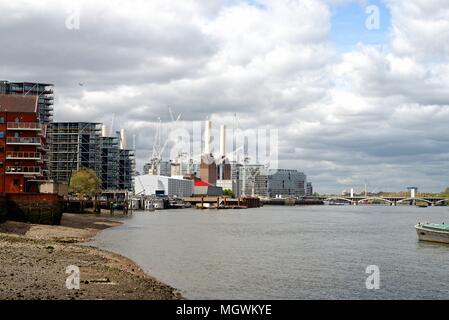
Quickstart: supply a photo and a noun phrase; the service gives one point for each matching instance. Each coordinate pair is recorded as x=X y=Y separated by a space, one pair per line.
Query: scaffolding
x=73 y=145
x=126 y=170
x=109 y=163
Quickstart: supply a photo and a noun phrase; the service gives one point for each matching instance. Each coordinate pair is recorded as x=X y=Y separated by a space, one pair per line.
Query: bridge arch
x=416 y=199
x=340 y=198
x=375 y=198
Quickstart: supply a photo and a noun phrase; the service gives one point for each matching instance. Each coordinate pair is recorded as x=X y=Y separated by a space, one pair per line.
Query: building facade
x=170 y=186
x=109 y=148
x=158 y=167
x=74 y=145
x=126 y=170
x=22 y=144
x=283 y=182
x=309 y=189
x=208 y=169
x=43 y=92
x=235 y=177
x=254 y=180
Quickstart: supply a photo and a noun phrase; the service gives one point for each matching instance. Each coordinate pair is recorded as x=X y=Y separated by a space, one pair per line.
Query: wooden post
x=218 y=203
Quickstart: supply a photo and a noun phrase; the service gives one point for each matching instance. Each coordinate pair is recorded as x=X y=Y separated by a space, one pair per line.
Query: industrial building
x=208 y=169
x=170 y=186
x=283 y=182
x=22 y=146
x=74 y=145
x=44 y=92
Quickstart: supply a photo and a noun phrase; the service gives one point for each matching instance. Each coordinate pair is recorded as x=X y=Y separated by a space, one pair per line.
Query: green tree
x=228 y=193
x=84 y=182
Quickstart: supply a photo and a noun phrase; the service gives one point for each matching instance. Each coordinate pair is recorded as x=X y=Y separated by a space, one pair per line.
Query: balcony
x=23 y=170
x=33 y=141
x=33 y=126
x=23 y=155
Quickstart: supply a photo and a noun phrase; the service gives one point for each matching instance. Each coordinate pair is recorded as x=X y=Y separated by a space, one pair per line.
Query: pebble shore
x=34 y=258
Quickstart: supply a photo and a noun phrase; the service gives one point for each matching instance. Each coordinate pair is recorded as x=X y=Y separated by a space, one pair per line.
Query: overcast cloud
x=375 y=113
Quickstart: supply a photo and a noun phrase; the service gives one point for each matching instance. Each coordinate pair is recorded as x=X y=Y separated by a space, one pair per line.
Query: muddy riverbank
x=34 y=258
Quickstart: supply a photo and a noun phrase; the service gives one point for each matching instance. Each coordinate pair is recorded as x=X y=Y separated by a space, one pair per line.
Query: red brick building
x=22 y=141
x=208 y=169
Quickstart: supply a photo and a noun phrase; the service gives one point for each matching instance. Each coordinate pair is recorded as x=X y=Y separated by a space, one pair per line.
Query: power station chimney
x=104 y=131
x=223 y=141
x=208 y=137
x=123 y=140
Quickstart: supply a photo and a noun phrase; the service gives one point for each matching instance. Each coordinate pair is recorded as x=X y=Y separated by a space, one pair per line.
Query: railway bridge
x=355 y=200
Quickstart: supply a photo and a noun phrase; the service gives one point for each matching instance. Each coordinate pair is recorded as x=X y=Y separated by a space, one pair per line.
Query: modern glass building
x=284 y=182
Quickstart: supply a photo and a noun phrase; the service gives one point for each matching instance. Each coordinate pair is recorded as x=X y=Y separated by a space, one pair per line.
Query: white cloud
x=368 y=114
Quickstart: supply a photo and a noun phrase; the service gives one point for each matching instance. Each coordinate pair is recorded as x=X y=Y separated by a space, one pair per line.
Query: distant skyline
x=355 y=100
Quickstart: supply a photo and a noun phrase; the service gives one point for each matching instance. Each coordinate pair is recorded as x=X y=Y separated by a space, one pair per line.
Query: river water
x=276 y=252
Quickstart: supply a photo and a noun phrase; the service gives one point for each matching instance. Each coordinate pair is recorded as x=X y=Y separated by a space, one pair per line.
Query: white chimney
x=208 y=137
x=104 y=131
x=352 y=192
x=223 y=140
x=123 y=140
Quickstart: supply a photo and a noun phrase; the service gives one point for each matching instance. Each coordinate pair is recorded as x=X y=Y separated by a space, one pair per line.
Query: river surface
x=277 y=252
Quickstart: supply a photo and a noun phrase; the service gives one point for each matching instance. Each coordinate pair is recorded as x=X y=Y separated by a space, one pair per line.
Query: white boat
x=158 y=204
x=148 y=204
x=433 y=232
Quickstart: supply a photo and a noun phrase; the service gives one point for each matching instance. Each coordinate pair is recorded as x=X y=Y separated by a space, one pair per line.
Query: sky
x=356 y=99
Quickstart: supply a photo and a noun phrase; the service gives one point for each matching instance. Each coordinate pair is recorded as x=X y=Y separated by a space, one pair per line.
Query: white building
x=170 y=186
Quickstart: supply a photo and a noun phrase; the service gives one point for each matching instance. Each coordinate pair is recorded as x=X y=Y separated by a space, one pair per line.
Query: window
x=16 y=120
x=2 y=149
x=2 y=119
x=16 y=134
x=2 y=134
x=16 y=182
x=1 y=164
